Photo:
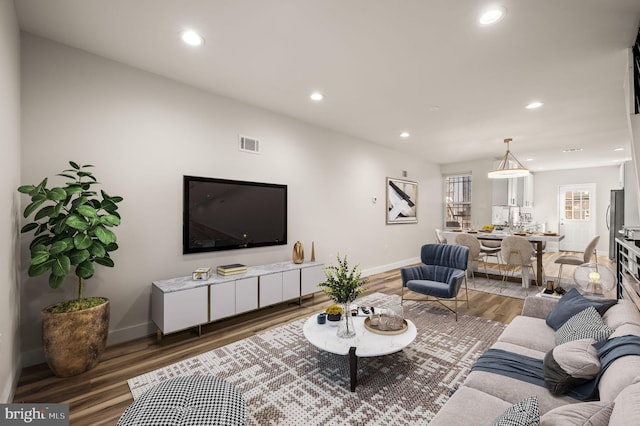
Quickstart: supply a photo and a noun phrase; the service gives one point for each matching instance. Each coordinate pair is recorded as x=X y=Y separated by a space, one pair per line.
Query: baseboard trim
x=384 y=268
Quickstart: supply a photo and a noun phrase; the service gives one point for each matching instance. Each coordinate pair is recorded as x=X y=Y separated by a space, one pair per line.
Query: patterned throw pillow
x=524 y=413
x=572 y=303
x=570 y=364
x=583 y=325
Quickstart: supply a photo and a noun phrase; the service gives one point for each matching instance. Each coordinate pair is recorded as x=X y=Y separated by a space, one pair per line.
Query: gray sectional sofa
x=484 y=395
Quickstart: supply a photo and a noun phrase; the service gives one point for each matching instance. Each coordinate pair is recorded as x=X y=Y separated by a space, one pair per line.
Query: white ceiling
x=424 y=66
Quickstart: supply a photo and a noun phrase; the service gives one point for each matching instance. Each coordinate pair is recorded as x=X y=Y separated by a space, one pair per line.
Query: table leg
x=539 y=262
x=353 y=367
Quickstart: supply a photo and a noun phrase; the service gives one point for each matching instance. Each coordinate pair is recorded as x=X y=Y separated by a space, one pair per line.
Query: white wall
x=144 y=132
x=545 y=207
x=481 y=187
x=9 y=213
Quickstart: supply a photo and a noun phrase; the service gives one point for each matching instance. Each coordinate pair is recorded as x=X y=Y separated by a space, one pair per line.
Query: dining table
x=536 y=238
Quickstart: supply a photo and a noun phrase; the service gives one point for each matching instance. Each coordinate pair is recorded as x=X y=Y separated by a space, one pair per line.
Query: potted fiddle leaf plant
x=71 y=228
x=343 y=284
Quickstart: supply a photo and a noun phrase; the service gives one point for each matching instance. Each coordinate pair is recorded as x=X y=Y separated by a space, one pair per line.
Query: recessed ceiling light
x=534 y=105
x=572 y=150
x=316 y=96
x=192 y=38
x=404 y=135
x=529 y=159
x=619 y=149
x=492 y=16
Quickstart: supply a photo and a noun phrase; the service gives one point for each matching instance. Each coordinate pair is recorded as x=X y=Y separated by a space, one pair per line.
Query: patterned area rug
x=287 y=381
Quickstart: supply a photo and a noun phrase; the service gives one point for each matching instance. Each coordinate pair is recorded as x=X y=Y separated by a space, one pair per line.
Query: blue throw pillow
x=572 y=303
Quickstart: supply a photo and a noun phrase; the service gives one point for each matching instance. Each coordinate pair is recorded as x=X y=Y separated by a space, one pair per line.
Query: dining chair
x=517 y=252
x=491 y=248
x=475 y=253
x=440 y=239
x=589 y=251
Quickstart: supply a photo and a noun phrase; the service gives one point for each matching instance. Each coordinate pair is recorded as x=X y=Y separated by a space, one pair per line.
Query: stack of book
x=233 y=269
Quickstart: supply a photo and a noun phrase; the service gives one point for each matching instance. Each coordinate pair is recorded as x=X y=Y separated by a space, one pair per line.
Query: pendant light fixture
x=509 y=167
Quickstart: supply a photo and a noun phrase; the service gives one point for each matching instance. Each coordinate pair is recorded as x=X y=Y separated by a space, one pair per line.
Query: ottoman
x=188 y=400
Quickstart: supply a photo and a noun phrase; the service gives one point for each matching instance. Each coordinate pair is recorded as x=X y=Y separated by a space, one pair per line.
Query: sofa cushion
x=521 y=350
x=595 y=413
x=532 y=333
x=625 y=312
x=570 y=364
x=623 y=372
x=514 y=390
x=583 y=325
x=524 y=413
x=468 y=406
x=572 y=303
x=626 y=410
x=626 y=330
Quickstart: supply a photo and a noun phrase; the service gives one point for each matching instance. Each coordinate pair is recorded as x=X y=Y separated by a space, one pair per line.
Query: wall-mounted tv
x=221 y=214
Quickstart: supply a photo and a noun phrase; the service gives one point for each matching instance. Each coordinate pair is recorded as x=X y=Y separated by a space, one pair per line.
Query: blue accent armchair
x=440 y=276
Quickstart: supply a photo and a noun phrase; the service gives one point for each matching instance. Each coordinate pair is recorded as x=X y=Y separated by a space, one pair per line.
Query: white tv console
x=181 y=303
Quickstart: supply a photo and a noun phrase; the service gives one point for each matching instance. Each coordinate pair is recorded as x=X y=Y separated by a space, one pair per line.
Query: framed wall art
x=402 y=201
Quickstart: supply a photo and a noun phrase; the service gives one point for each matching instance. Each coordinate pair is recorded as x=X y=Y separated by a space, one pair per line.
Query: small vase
x=346 y=329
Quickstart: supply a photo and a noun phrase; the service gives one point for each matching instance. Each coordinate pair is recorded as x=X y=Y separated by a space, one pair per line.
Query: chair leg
x=455 y=306
x=559 y=275
x=466 y=292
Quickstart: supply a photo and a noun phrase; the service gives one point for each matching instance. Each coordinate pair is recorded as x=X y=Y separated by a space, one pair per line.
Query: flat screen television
x=221 y=214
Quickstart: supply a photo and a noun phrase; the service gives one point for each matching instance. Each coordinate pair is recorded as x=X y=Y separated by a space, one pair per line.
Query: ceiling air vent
x=249 y=144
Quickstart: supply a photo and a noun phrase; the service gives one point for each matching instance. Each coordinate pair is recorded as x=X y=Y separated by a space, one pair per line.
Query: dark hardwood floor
x=99 y=396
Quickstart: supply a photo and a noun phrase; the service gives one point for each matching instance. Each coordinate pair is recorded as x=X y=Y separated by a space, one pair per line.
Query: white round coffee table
x=365 y=343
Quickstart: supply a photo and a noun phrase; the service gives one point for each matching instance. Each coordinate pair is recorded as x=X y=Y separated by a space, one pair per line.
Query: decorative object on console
x=313 y=252
x=232 y=269
x=509 y=166
x=201 y=274
x=343 y=285
x=71 y=233
x=401 y=201
x=298 y=252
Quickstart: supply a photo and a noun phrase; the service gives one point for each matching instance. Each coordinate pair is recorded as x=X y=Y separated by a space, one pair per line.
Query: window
x=577 y=205
x=457 y=201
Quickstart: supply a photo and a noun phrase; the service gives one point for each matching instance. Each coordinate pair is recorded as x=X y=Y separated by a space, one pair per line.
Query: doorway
x=576 y=215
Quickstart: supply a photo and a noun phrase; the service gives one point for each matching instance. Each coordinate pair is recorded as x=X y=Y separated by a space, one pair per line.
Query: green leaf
x=59 y=247
x=110 y=220
x=74 y=165
x=41 y=186
x=39 y=254
x=57 y=209
x=82 y=241
x=28 y=227
x=44 y=212
x=56 y=280
x=79 y=201
x=60 y=227
x=66 y=175
x=87 y=165
x=35 y=270
x=42 y=228
x=41 y=240
x=26 y=189
x=104 y=235
x=57 y=194
x=87 y=211
x=76 y=222
x=104 y=261
x=79 y=256
x=72 y=189
x=109 y=206
x=61 y=266
x=85 y=270
x=32 y=207
x=111 y=247
x=97 y=249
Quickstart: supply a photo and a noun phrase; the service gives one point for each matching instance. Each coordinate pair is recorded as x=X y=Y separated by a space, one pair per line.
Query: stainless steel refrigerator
x=615 y=219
